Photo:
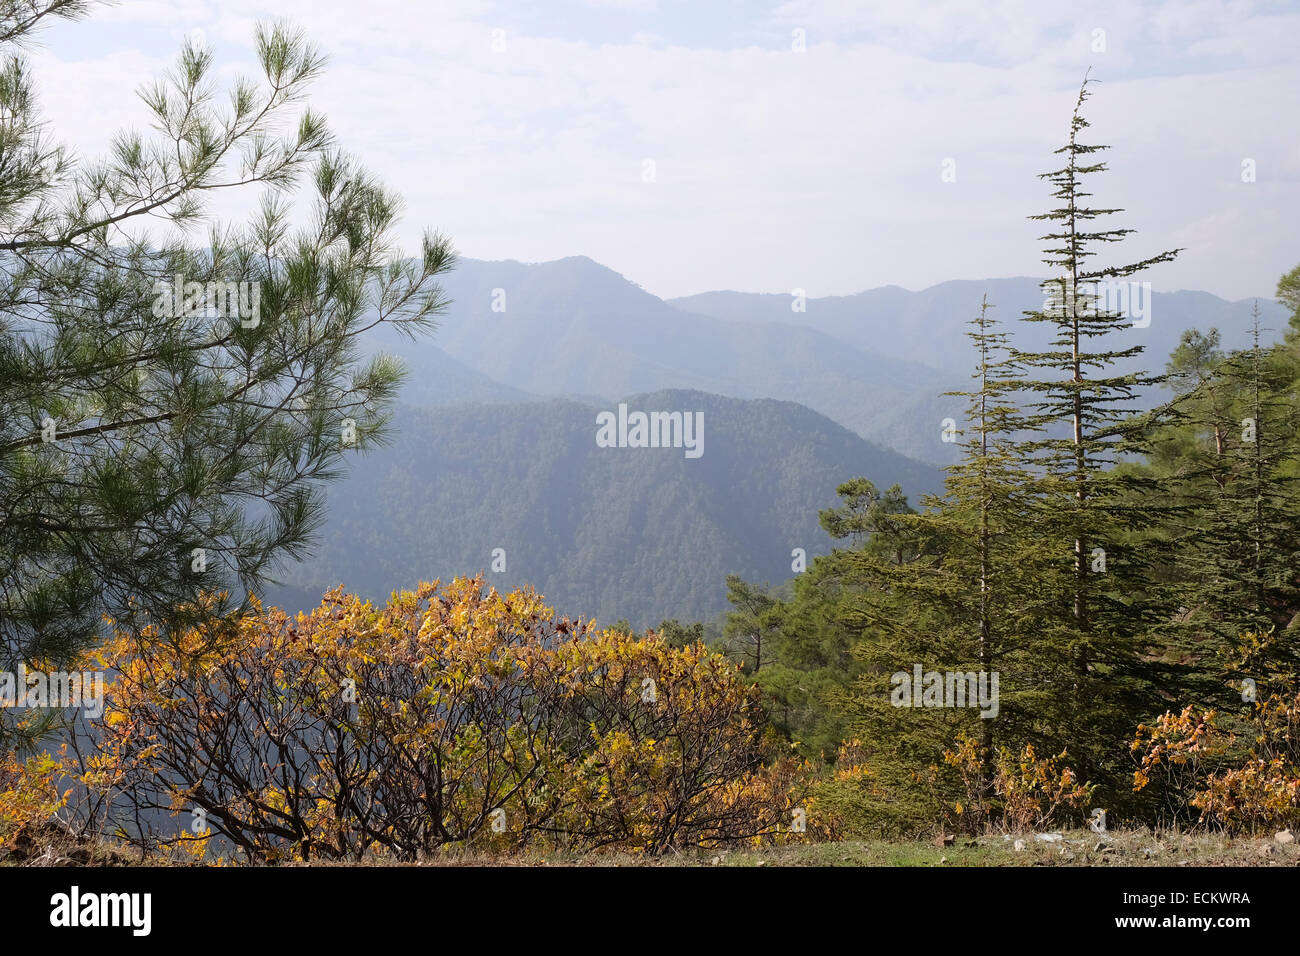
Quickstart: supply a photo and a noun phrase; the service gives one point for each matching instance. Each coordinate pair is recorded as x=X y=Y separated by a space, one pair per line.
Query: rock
x=1284 y=836
x=945 y=839
x=716 y=860
x=1020 y=846
x=1266 y=850
x=1049 y=837
x=942 y=860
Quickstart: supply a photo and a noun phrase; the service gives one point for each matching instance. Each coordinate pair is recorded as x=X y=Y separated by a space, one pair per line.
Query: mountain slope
x=573 y=327
x=641 y=533
x=877 y=362
x=434 y=378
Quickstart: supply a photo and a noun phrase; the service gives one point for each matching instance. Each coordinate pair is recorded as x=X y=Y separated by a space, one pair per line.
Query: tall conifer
x=1091 y=640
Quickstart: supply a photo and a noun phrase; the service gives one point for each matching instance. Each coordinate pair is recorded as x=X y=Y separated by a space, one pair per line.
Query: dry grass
x=50 y=847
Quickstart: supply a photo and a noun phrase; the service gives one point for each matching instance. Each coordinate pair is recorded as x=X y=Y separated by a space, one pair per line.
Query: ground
x=1067 y=848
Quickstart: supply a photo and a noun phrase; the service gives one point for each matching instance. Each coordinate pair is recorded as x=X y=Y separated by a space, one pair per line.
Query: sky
x=824 y=145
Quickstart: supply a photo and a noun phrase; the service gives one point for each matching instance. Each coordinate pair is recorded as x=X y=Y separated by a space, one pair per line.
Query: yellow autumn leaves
x=454 y=715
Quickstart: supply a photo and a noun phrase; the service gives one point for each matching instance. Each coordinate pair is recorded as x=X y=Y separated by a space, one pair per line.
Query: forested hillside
x=642 y=534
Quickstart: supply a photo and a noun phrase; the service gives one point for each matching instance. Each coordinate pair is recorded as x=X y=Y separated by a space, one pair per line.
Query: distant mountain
x=928 y=326
x=496 y=449
x=434 y=378
x=575 y=328
x=877 y=362
x=636 y=533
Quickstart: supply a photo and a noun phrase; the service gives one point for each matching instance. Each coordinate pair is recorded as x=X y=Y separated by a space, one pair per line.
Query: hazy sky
x=523 y=129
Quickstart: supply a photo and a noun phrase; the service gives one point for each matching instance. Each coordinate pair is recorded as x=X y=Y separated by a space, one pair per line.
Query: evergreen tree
x=793 y=640
x=749 y=628
x=169 y=410
x=1288 y=293
x=955 y=606
x=678 y=635
x=869 y=519
x=1092 y=639
x=1238 y=542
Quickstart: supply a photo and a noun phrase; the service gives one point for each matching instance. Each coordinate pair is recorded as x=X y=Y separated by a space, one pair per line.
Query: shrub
x=451 y=716
x=29 y=792
x=661 y=747
x=1198 y=765
x=1028 y=792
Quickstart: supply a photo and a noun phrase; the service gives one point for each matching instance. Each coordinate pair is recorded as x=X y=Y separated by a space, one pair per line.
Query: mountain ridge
x=633 y=533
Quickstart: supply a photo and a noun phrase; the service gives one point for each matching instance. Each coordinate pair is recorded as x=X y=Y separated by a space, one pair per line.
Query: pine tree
x=169 y=410
x=749 y=629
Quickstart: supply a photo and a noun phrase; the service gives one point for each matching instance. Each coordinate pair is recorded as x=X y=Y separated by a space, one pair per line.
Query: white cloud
x=633 y=6
x=778 y=169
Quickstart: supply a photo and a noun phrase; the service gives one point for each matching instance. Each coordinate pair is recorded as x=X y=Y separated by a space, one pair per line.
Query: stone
x=1284 y=836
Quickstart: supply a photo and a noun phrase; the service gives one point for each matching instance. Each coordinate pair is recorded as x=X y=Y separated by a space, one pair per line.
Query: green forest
x=1135 y=589
x=600 y=532
x=1130 y=576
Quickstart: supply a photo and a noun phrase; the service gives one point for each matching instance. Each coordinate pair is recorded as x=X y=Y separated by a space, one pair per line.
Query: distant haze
x=769 y=145
x=497 y=452
x=876 y=363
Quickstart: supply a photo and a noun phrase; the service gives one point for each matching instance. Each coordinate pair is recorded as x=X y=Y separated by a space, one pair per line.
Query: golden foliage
x=454 y=715
x=1024 y=791
x=1193 y=760
x=29 y=791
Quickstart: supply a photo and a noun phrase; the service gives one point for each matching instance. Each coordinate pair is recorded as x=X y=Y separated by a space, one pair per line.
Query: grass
x=1073 y=848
